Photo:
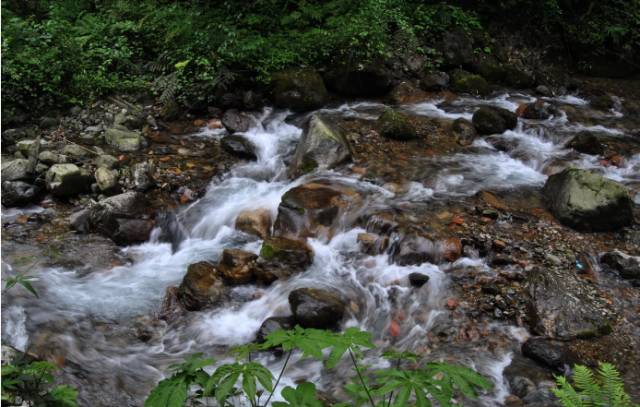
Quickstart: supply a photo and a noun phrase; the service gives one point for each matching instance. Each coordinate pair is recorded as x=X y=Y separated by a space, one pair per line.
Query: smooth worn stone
x=106 y=179
x=50 y=158
x=107 y=161
x=494 y=120
x=316 y=308
x=17 y=170
x=18 y=193
x=464 y=131
x=132 y=231
x=322 y=146
x=628 y=267
x=236 y=121
x=587 y=201
x=255 y=222
x=550 y=354
x=434 y=81
x=124 y=140
x=273 y=324
x=405 y=92
x=29 y=148
x=586 y=143
x=466 y=82
x=201 y=287
x=284 y=256
x=563 y=306
x=396 y=125
x=238 y=266
x=239 y=146
x=67 y=180
x=299 y=90
x=418 y=279
x=75 y=151
x=538 y=110
x=372 y=244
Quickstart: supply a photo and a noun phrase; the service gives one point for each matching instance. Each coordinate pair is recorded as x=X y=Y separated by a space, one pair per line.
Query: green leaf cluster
x=32 y=383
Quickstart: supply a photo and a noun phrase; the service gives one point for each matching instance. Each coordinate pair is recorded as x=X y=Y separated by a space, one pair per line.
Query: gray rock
x=435 y=81
x=396 y=125
x=538 y=110
x=273 y=324
x=67 y=180
x=544 y=91
x=142 y=176
x=75 y=151
x=50 y=158
x=239 y=146
x=236 y=121
x=322 y=146
x=586 y=143
x=466 y=82
x=562 y=306
x=107 y=161
x=315 y=308
x=587 y=201
x=549 y=353
x=18 y=193
x=17 y=170
x=464 y=131
x=29 y=148
x=299 y=90
x=124 y=140
x=106 y=179
x=494 y=120
x=628 y=267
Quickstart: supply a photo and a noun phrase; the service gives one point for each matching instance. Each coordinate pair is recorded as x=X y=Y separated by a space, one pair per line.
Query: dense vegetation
x=62 y=52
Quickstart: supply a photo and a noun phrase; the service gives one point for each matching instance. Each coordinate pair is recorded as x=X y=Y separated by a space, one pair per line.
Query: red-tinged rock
x=457 y=220
x=214 y=124
x=199 y=123
x=451 y=249
x=394 y=329
x=452 y=304
x=617 y=160
x=520 y=110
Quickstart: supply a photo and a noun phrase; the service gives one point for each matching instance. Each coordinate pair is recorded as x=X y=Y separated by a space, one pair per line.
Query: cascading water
x=87 y=319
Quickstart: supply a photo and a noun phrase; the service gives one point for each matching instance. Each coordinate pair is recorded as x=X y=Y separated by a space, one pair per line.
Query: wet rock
x=316 y=308
x=201 y=287
x=550 y=354
x=397 y=126
x=284 y=257
x=538 y=110
x=255 y=222
x=106 y=161
x=273 y=324
x=464 y=131
x=11 y=136
x=372 y=244
x=236 y=121
x=237 y=266
x=434 y=81
x=107 y=180
x=586 y=143
x=142 y=176
x=587 y=201
x=75 y=152
x=299 y=90
x=418 y=279
x=404 y=92
x=521 y=386
x=124 y=140
x=17 y=170
x=67 y=180
x=18 y=193
x=50 y=158
x=322 y=146
x=466 y=82
x=602 y=102
x=131 y=231
x=239 y=146
x=543 y=90
x=315 y=209
x=518 y=78
x=494 y=120
x=369 y=80
x=456 y=48
x=628 y=267
x=413 y=250
x=562 y=306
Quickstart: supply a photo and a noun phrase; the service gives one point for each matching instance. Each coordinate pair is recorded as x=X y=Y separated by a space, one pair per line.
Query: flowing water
x=90 y=319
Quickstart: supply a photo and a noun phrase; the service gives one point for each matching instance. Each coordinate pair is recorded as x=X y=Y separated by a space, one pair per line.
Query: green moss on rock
x=397 y=126
x=465 y=82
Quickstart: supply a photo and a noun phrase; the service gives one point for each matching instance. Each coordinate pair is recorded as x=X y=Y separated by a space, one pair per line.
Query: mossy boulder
x=322 y=146
x=494 y=120
x=299 y=90
x=201 y=287
x=466 y=82
x=587 y=201
x=123 y=140
x=396 y=125
x=284 y=256
x=369 y=80
x=67 y=180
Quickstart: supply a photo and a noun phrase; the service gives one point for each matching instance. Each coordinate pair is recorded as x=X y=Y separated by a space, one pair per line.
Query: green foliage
x=377 y=387
x=32 y=383
x=605 y=388
x=24 y=281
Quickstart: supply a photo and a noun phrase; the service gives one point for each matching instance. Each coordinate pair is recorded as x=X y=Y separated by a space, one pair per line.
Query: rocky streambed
x=497 y=232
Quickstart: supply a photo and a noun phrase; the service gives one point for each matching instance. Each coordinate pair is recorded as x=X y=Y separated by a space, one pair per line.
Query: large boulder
x=396 y=125
x=201 y=287
x=434 y=81
x=50 y=158
x=586 y=143
x=322 y=146
x=628 y=267
x=255 y=222
x=236 y=121
x=316 y=308
x=239 y=146
x=466 y=82
x=124 y=140
x=238 y=266
x=494 y=120
x=17 y=170
x=283 y=257
x=588 y=201
x=368 y=80
x=464 y=131
x=67 y=180
x=538 y=110
x=562 y=306
x=299 y=90
x=316 y=209
x=548 y=353
x=18 y=193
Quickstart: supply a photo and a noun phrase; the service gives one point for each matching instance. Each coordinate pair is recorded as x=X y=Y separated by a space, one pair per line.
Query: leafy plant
x=23 y=280
x=395 y=386
x=605 y=388
x=32 y=383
